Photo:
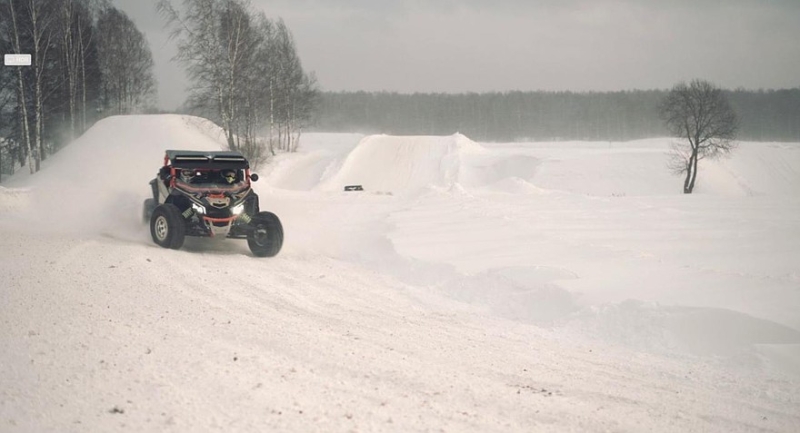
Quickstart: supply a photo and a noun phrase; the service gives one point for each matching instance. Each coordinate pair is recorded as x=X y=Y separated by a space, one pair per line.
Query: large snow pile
x=403 y=164
x=501 y=287
x=318 y=160
x=99 y=181
x=119 y=152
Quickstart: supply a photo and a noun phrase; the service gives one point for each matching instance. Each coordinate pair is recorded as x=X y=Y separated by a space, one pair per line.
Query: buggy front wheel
x=167 y=227
x=266 y=237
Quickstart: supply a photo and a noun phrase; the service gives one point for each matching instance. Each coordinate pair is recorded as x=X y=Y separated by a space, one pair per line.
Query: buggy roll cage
x=198 y=160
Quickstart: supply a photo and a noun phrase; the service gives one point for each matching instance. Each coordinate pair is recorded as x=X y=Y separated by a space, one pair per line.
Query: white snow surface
x=470 y=287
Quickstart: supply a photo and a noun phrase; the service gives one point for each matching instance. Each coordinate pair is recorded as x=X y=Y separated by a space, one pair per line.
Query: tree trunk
x=23 y=103
x=229 y=134
x=83 y=78
x=26 y=133
x=39 y=127
x=38 y=66
x=271 y=118
x=691 y=173
x=70 y=65
x=694 y=174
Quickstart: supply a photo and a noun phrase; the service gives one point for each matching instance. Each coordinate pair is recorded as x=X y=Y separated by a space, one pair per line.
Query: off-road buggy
x=209 y=194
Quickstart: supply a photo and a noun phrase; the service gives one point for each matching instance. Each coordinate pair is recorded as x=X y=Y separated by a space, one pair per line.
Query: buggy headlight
x=200 y=209
x=238 y=209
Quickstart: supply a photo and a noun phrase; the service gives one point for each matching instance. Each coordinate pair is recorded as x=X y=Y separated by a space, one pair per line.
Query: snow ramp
x=403 y=164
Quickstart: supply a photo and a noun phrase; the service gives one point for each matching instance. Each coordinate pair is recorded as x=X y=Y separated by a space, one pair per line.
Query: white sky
x=486 y=45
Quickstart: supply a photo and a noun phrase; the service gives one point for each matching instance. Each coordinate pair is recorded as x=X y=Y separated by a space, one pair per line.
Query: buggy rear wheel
x=167 y=227
x=266 y=238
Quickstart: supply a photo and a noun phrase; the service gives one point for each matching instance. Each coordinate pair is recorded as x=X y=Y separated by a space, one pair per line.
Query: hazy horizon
x=513 y=45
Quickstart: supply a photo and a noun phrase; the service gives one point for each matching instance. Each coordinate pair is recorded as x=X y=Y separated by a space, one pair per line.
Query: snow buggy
x=209 y=194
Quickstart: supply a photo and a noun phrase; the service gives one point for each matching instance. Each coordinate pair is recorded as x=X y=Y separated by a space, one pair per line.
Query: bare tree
x=254 y=109
x=40 y=19
x=87 y=29
x=6 y=97
x=126 y=62
x=209 y=47
x=293 y=92
x=245 y=73
x=307 y=99
x=70 y=52
x=699 y=113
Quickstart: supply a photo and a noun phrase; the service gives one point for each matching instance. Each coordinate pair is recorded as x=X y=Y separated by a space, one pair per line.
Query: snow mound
x=403 y=164
x=101 y=178
x=319 y=157
x=121 y=152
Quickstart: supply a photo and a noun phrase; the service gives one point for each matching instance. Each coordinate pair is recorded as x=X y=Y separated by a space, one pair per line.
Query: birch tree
x=89 y=58
x=6 y=96
x=22 y=102
x=70 y=58
x=41 y=20
x=244 y=70
x=294 y=95
x=197 y=31
x=126 y=63
x=254 y=95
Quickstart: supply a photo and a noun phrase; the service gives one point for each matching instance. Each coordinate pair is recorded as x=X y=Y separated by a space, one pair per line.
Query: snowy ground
x=470 y=287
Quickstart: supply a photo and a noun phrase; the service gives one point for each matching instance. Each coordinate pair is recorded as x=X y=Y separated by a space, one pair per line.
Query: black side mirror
x=254 y=177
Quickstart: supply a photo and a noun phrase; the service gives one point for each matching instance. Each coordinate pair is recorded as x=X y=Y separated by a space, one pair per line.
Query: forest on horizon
x=765 y=115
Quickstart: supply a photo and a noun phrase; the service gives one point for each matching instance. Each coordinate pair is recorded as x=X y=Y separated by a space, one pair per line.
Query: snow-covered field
x=470 y=287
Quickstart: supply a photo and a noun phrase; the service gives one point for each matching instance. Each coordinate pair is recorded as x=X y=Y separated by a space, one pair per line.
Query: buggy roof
x=207 y=159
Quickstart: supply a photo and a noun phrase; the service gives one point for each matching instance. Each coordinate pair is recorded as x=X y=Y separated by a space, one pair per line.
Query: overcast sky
x=498 y=45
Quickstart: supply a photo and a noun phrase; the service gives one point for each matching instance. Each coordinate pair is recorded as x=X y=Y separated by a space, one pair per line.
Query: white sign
x=17 y=60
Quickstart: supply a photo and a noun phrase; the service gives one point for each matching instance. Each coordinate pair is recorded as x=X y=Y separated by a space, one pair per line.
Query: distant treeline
x=766 y=115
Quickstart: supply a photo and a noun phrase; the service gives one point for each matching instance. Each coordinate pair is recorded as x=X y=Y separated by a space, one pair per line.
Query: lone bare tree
x=699 y=113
